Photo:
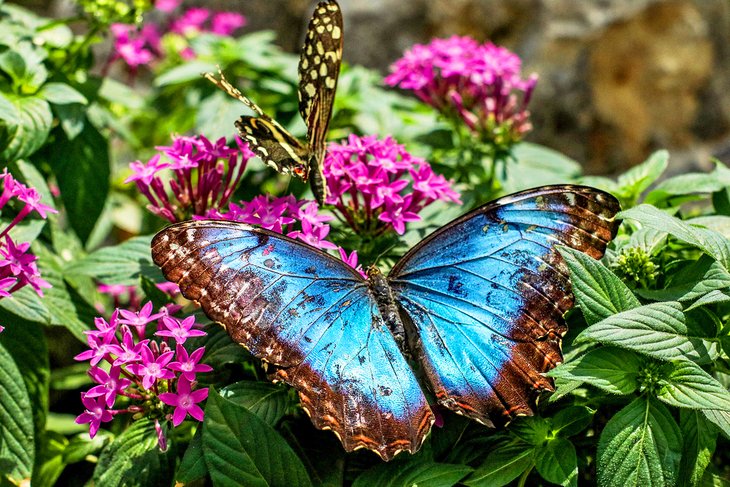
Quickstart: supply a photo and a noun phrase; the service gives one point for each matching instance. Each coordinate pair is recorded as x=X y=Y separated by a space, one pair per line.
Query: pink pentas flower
x=479 y=84
x=188 y=365
x=151 y=368
x=191 y=21
x=110 y=384
x=351 y=260
x=375 y=185
x=95 y=413
x=185 y=401
x=16 y=262
x=137 y=373
x=195 y=176
x=138 y=320
x=180 y=330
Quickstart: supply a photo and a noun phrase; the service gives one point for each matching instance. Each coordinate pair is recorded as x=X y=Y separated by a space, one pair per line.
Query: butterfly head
x=301 y=171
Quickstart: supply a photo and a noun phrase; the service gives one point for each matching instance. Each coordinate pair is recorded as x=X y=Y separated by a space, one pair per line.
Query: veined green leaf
x=599 y=292
x=29 y=131
x=712 y=243
x=134 y=459
x=84 y=178
x=413 y=472
x=119 y=264
x=611 y=369
x=641 y=445
x=571 y=420
x=700 y=438
x=502 y=466
x=688 y=386
x=713 y=297
x=657 y=330
x=193 y=465
x=269 y=402
x=61 y=94
x=719 y=418
x=637 y=179
x=240 y=449
x=557 y=462
x=16 y=425
x=694 y=281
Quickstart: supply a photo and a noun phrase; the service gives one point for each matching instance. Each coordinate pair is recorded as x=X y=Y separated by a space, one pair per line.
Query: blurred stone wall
x=618 y=78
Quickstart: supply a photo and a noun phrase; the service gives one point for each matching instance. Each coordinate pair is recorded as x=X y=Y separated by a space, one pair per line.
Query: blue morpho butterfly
x=478 y=305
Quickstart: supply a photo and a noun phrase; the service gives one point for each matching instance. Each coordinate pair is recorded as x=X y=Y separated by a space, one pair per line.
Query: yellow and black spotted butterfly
x=319 y=68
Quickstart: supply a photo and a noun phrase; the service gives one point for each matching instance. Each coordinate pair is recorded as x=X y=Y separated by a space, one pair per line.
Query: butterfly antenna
x=231 y=90
x=382 y=254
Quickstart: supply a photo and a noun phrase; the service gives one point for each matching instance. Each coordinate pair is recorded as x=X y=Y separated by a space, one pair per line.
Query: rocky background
x=618 y=78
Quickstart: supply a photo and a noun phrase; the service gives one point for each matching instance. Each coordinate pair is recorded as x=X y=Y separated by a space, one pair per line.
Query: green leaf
x=688 y=386
x=685 y=184
x=648 y=239
x=694 y=281
x=134 y=459
x=26 y=343
x=502 y=466
x=239 y=448
x=535 y=165
x=599 y=292
x=50 y=462
x=193 y=465
x=269 y=402
x=530 y=429
x=16 y=424
x=640 y=445
x=413 y=472
x=613 y=370
x=637 y=179
x=185 y=73
x=84 y=178
x=700 y=439
x=719 y=418
x=82 y=446
x=26 y=304
x=120 y=264
x=712 y=243
x=571 y=420
x=61 y=94
x=65 y=306
x=713 y=297
x=557 y=462
x=29 y=131
x=657 y=330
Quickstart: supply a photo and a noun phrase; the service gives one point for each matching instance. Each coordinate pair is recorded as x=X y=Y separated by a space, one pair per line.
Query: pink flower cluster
x=478 y=83
x=143 y=370
x=299 y=219
x=205 y=176
x=376 y=185
x=18 y=267
x=137 y=47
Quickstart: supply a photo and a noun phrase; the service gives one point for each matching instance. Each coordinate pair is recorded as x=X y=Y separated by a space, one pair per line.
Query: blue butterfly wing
x=312 y=317
x=485 y=296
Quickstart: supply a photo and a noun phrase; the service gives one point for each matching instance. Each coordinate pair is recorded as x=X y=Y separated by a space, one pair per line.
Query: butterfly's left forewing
x=485 y=296
x=309 y=315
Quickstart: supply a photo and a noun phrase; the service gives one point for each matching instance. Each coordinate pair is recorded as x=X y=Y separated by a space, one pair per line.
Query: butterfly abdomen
x=388 y=308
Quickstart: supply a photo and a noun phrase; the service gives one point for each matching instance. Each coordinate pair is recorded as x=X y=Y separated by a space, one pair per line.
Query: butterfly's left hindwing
x=486 y=296
x=309 y=315
x=274 y=145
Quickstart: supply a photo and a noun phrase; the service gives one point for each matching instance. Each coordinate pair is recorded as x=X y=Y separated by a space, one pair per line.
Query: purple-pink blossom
x=185 y=401
x=375 y=185
x=479 y=84
x=18 y=266
x=197 y=175
x=133 y=373
x=95 y=413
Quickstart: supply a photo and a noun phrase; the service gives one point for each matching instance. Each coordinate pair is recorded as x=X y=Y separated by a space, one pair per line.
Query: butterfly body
x=475 y=307
x=319 y=68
